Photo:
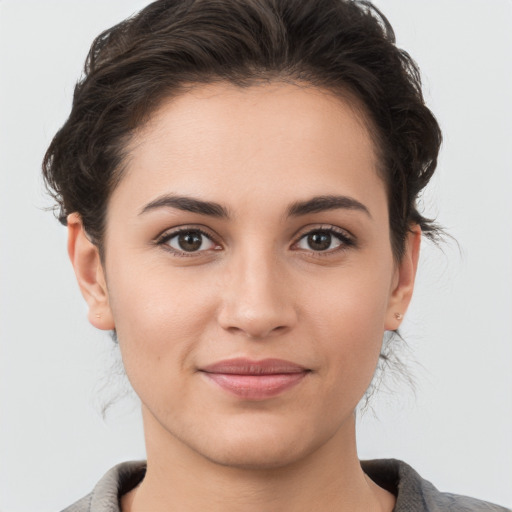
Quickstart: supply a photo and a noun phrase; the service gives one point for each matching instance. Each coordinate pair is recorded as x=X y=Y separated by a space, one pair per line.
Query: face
x=248 y=271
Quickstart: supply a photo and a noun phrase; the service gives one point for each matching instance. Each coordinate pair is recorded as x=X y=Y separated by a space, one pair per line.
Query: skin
x=257 y=289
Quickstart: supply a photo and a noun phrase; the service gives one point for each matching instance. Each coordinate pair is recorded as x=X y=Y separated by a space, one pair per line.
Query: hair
x=344 y=46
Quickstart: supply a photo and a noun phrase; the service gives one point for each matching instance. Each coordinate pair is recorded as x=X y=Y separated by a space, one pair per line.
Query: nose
x=257 y=298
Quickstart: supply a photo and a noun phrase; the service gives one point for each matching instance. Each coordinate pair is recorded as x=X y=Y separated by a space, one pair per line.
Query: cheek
x=347 y=317
x=158 y=317
x=353 y=300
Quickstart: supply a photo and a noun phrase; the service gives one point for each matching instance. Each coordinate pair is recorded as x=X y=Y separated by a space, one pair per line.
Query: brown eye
x=190 y=241
x=319 y=241
x=323 y=240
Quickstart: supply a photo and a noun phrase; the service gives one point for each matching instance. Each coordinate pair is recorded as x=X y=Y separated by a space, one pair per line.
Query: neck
x=330 y=478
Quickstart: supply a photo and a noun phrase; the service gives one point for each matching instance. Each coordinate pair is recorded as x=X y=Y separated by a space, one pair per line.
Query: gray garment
x=414 y=494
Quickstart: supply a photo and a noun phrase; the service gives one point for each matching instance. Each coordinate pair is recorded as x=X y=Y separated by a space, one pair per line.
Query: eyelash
x=164 y=238
x=347 y=241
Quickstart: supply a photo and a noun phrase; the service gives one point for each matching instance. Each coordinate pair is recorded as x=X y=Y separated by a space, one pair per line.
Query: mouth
x=255 y=380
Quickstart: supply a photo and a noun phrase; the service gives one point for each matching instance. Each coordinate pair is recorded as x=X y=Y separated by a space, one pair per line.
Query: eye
x=323 y=240
x=188 y=241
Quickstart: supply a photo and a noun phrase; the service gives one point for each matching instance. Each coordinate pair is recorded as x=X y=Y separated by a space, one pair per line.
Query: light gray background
x=456 y=430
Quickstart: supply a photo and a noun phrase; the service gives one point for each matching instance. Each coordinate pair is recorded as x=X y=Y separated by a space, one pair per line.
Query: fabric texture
x=414 y=494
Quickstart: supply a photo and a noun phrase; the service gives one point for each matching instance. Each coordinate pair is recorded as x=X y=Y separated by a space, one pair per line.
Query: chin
x=256 y=447
x=256 y=455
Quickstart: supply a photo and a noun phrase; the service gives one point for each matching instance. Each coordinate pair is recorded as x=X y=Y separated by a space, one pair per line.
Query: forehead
x=226 y=142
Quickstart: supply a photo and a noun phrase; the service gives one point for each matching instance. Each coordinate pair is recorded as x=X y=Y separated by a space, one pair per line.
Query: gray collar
x=414 y=494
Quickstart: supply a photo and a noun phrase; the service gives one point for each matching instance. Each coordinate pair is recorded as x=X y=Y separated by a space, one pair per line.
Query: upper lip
x=243 y=366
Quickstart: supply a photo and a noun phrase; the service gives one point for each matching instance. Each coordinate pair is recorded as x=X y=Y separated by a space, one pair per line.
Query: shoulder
x=83 y=505
x=116 y=482
x=415 y=493
x=412 y=491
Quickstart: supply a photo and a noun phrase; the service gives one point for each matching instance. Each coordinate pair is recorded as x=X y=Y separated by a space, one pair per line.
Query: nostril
x=255 y=332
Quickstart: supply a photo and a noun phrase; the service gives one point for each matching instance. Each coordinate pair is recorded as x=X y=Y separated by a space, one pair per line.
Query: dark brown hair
x=345 y=46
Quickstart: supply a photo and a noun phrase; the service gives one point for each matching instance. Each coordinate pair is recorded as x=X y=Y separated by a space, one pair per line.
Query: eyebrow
x=324 y=203
x=314 y=205
x=187 y=204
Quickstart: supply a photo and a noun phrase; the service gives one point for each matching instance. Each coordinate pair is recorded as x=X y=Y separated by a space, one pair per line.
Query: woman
x=239 y=181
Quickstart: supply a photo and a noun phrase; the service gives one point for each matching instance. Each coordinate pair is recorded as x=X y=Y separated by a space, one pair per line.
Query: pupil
x=319 y=241
x=190 y=241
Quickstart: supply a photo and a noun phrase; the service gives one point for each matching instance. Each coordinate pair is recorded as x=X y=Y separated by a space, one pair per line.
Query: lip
x=255 y=380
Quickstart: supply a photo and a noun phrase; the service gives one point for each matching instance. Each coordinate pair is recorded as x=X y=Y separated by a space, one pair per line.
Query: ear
x=403 y=282
x=85 y=258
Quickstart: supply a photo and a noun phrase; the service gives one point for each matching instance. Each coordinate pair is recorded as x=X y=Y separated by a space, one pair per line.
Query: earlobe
x=85 y=258
x=403 y=284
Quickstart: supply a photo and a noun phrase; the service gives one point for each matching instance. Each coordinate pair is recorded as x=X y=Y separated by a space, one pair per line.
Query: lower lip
x=256 y=387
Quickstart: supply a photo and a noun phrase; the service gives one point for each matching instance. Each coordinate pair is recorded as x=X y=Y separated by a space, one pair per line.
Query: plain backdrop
x=55 y=369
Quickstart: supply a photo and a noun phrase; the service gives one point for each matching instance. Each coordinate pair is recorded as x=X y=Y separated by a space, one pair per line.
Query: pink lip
x=255 y=380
